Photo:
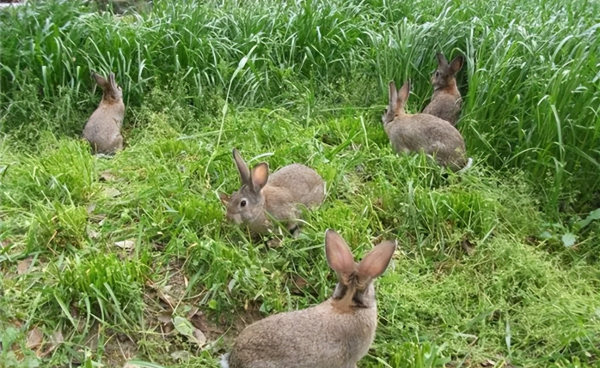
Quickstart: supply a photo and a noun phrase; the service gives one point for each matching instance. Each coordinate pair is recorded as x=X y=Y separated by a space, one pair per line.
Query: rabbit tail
x=467 y=166
x=225 y=360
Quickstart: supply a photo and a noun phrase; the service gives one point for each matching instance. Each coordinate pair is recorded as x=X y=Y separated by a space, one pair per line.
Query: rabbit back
x=103 y=129
x=432 y=135
x=445 y=105
x=317 y=337
x=302 y=184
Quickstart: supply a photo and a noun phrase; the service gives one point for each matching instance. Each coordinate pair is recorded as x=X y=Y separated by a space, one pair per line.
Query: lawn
x=130 y=258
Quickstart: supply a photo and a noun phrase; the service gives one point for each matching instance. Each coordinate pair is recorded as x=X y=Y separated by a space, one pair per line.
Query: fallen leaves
x=111 y=192
x=24 y=265
x=90 y=208
x=468 y=246
x=107 y=176
x=185 y=327
x=35 y=342
x=34 y=338
x=128 y=244
x=56 y=339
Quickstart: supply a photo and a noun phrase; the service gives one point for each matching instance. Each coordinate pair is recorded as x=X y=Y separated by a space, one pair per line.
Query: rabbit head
x=355 y=280
x=246 y=206
x=444 y=76
x=397 y=100
x=111 y=92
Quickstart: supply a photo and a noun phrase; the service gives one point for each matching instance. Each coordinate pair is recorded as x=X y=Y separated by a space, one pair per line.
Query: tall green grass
x=530 y=83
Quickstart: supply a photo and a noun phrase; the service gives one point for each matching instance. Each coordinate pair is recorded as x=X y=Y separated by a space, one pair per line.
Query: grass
x=109 y=260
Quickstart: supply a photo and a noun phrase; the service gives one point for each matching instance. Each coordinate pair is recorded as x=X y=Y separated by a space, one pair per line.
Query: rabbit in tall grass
x=446 y=101
x=103 y=129
x=278 y=195
x=334 y=334
x=423 y=132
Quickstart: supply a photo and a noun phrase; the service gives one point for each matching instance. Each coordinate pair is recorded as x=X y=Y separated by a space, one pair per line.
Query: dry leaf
x=164 y=317
x=111 y=192
x=300 y=282
x=199 y=321
x=161 y=294
x=126 y=244
x=200 y=338
x=192 y=312
x=23 y=266
x=34 y=339
x=184 y=327
x=274 y=243
x=107 y=176
x=55 y=340
x=90 y=208
x=180 y=355
x=468 y=246
x=93 y=234
x=98 y=218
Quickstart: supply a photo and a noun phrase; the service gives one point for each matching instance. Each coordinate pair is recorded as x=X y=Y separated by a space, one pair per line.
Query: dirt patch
x=118 y=349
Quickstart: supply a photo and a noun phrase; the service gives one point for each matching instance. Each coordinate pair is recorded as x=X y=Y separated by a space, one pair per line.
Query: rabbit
x=334 y=334
x=423 y=132
x=103 y=129
x=278 y=195
x=446 y=101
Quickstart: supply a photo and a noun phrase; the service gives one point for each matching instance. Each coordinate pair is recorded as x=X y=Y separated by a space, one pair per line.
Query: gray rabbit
x=446 y=101
x=423 y=132
x=334 y=334
x=103 y=129
x=278 y=195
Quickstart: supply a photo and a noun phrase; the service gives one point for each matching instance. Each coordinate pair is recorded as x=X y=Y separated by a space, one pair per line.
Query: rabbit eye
x=437 y=73
x=243 y=203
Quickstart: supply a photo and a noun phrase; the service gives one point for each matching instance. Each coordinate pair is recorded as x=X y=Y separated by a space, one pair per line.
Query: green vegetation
x=106 y=260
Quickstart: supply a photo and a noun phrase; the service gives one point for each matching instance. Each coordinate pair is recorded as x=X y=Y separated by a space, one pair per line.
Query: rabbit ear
x=376 y=261
x=393 y=99
x=403 y=93
x=456 y=64
x=260 y=176
x=242 y=168
x=442 y=61
x=339 y=256
x=111 y=80
x=100 y=80
x=224 y=198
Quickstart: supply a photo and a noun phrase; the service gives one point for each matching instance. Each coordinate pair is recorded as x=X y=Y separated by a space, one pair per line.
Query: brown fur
x=422 y=132
x=446 y=101
x=334 y=334
x=103 y=129
x=278 y=195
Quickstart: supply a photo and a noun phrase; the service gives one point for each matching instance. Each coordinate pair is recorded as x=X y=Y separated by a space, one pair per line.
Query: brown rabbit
x=423 y=132
x=446 y=101
x=278 y=195
x=103 y=129
x=334 y=334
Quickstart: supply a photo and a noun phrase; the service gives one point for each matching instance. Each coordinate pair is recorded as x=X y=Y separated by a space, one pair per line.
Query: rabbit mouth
x=236 y=218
